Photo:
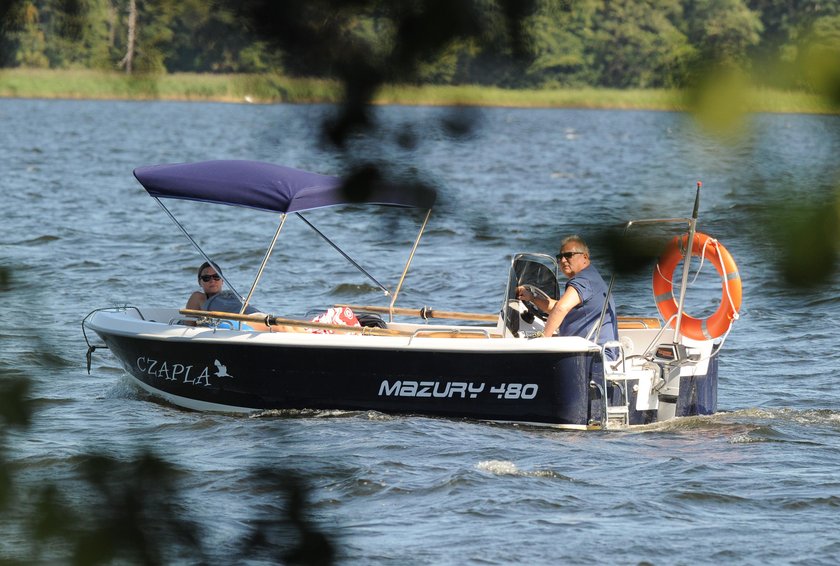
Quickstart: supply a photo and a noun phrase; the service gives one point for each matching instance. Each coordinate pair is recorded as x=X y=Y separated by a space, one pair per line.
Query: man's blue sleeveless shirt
x=592 y=290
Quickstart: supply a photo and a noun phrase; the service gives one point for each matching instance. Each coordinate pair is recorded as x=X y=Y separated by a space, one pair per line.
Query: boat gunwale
x=120 y=322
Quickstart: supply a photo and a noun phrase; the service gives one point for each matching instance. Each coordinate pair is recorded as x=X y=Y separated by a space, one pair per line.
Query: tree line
x=555 y=43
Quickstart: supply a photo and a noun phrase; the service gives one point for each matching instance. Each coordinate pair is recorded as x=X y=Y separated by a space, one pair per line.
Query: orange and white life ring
x=663 y=287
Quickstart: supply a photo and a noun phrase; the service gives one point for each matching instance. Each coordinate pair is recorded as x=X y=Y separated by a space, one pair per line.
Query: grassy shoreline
x=273 y=89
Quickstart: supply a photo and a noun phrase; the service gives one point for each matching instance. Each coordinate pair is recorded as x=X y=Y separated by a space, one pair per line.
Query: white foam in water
x=499 y=467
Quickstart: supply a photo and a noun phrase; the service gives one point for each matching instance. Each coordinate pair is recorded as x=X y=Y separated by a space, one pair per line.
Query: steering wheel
x=533 y=309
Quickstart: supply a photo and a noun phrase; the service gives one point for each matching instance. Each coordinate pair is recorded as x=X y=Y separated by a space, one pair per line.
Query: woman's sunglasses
x=207 y=278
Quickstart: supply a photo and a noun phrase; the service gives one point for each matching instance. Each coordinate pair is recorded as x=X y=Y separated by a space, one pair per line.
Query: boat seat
x=630 y=322
x=371 y=320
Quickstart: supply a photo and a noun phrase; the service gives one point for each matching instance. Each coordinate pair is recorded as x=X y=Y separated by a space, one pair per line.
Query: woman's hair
x=207 y=264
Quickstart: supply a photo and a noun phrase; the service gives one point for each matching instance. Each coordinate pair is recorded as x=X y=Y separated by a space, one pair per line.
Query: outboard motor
x=668 y=358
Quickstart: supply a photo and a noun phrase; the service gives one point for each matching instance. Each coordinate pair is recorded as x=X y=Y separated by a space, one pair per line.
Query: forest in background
x=555 y=43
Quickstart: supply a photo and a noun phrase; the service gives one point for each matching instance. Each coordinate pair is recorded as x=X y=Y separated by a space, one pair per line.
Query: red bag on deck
x=342 y=316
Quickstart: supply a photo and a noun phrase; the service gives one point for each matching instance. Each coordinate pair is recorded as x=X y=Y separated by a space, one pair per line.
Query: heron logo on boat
x=175 y=371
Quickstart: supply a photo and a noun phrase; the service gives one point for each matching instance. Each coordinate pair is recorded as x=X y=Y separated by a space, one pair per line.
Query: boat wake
x=507 y=468
x=750 y=425
x=319 y=414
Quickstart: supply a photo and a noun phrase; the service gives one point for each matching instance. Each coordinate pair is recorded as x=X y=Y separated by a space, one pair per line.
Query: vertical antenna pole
x=692 y=228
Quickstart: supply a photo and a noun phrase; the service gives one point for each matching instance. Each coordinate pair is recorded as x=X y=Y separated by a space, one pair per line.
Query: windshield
x=536 y=270
x=539 y=271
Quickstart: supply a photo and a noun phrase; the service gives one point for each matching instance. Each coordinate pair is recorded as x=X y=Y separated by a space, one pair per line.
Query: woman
x=210 y=283
x=212 y=298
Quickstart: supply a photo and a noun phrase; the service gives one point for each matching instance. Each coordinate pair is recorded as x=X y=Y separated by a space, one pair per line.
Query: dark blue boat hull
x=542 y=388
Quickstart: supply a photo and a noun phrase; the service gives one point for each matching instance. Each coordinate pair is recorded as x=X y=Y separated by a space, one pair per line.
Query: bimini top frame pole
x=264 y=262
x=407 y=264
x=197 y=247
x=347 y=257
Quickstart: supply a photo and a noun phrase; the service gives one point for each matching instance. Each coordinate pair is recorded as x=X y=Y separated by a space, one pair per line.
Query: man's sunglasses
x=207 y=278
x=567 y=255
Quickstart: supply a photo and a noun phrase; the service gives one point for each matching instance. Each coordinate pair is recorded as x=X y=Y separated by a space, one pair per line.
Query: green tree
x=154 y=34
x=558 y=33
x=821 y=58
x=66 y=25
x=30 y=42
x=98 y=27
x=785 y=22
x=723 y=31
x=209 y=38
x=787 y=25
x=444 y=69
x=499 y=53
x=51 y=33
x=635 y=43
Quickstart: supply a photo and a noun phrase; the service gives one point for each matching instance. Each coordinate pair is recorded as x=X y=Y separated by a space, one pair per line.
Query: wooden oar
x=426 y=312
x=271 y=320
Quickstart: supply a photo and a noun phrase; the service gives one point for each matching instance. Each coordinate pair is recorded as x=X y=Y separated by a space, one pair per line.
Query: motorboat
x=417 y=361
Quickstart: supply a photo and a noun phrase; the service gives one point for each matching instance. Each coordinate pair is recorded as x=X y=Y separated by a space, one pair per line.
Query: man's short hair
x=574 y=238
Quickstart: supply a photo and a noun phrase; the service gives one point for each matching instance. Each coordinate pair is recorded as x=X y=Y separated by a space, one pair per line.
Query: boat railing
x=93 y=347
x=682 y=357
x=655 y=342
x=640 y=378
x=620 y=411
x=450 y=333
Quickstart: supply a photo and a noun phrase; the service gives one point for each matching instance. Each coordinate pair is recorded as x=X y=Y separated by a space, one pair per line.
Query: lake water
x=756 y=483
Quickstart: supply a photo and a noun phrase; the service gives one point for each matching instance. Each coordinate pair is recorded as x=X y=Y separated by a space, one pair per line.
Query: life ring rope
x=699 y=267
x=721 y=321
x=734 y=314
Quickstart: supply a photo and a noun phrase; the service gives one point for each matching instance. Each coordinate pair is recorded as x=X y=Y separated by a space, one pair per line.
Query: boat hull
x=550 y=388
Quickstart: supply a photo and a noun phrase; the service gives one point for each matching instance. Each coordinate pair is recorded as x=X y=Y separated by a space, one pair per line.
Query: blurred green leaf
x=629 y=253
x=821 y=59
x=807 y=239
x=719 y=99
x=291 y=537
x=15 y=406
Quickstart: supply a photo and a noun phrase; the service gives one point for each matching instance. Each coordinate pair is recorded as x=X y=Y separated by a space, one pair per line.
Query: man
x=580 y=306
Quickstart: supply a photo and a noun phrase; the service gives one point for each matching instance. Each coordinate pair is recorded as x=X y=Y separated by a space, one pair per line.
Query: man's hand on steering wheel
x=527 y=294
